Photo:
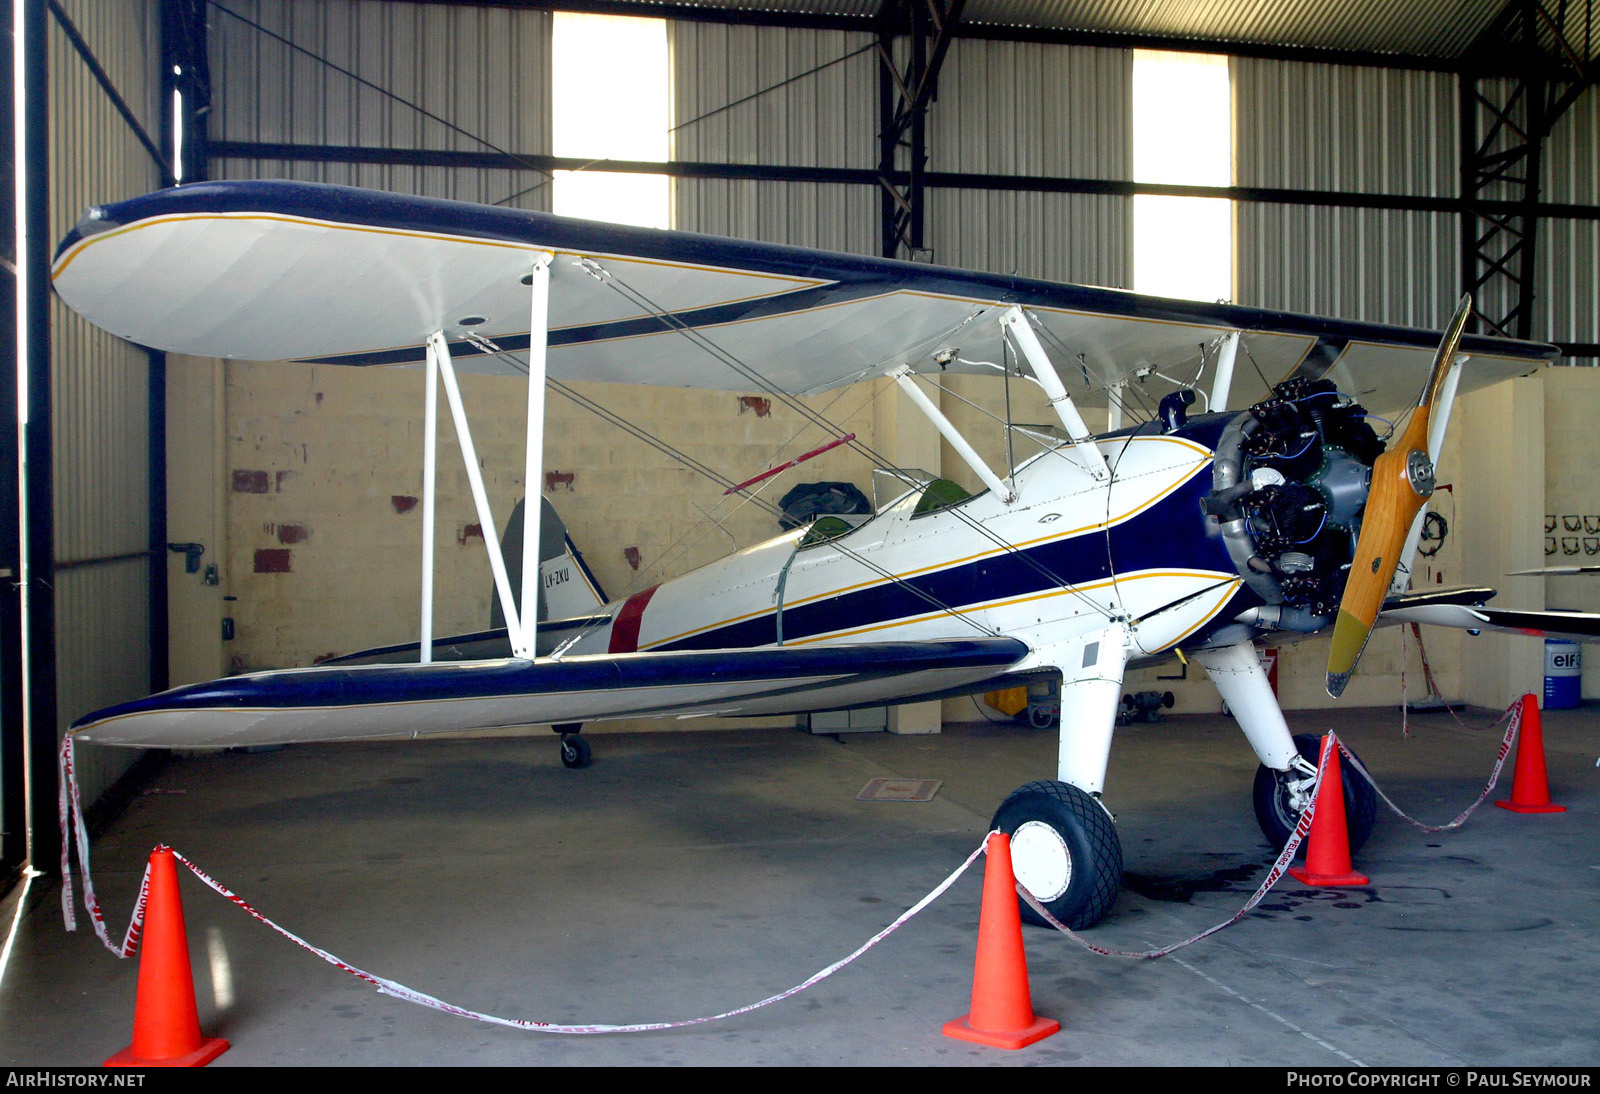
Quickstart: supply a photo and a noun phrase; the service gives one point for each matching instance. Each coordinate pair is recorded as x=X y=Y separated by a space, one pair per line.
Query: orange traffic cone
x=1328 y=843
x=1530 y=786
x=1002 y=1008
x=166 y=1026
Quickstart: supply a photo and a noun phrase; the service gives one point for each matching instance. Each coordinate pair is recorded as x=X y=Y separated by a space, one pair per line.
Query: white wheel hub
x=1041 y=860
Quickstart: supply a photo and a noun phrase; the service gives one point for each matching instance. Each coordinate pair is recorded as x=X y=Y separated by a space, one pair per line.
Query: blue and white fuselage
x=1069 y=556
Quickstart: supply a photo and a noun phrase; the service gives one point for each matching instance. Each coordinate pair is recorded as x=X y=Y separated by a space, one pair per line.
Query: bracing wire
x=672 y=322
x=773 y=87
x=364 y=82
x=487 y=346
x=523 y=161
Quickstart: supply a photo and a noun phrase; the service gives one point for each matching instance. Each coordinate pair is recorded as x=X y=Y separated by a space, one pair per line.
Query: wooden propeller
x=1402 y=482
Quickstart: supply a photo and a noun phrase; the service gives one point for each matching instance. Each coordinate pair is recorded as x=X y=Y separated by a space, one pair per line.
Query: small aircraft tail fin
x=567 y=588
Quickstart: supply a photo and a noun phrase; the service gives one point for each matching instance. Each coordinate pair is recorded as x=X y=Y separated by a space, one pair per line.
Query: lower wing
x=354 y=702
x=1464 y=610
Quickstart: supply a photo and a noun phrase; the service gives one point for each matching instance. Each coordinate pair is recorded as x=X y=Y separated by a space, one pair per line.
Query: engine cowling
x=1289 y=484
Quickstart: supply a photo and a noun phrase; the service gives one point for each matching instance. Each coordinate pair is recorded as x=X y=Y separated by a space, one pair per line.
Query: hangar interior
x=173 y=519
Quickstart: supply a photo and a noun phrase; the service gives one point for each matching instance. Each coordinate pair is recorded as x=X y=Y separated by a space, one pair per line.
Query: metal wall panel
x=826 y=118
x=1567 y=307
x=1025 y=108
x=1004 y=108
x=1339 y=127
x=1383 y=265
x=1418 y=28
x=1363 y=130
x=802 y=214
x=1015 y=108
x=461 y=79
x=1082 y=238
x=100 y=384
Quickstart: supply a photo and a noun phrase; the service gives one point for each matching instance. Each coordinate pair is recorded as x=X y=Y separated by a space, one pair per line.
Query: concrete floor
x=690 y=873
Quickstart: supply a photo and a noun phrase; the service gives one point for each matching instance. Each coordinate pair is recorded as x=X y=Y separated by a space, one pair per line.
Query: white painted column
x=907 y=439
x=1500 y=522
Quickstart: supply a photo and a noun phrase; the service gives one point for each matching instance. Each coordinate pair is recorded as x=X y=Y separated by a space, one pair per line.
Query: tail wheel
x=575 y=751
x=1064 y=849
x=1279 y=797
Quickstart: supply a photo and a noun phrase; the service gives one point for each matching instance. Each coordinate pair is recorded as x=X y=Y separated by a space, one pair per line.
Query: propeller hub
x=1419 y=471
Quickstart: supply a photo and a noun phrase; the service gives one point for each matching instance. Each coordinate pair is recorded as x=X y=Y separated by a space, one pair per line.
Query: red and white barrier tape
x=72 y=817
x=1279 y=867
x=1513 y=713
x=74 y=830
x=1433 y=690
x=400 y=991
x=69 y=805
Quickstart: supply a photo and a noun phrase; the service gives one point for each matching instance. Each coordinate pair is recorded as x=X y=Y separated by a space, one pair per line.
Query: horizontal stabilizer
x=354 y=702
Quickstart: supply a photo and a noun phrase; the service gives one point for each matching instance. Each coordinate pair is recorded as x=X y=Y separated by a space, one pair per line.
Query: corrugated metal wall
x=1004 y=108
x=481 y=70
x=100 y=383
x=828 y=119
x=1022 y=108
x=1337 y=127
x=1568 y=305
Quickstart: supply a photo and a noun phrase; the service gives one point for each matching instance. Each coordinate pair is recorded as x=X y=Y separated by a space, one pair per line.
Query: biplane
x=1276 y=507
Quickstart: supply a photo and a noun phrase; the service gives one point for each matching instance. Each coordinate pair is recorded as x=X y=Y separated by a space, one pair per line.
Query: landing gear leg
x=575 y=750
x=1288 y=763
x=1064 y=845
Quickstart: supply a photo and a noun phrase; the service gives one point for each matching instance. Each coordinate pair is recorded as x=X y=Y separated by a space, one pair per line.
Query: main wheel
x=575 y=752
x=1280 y=797
x=1064 y=849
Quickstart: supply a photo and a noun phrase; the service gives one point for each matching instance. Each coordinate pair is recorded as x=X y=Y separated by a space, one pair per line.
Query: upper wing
x=353 y=702
x=280 y=270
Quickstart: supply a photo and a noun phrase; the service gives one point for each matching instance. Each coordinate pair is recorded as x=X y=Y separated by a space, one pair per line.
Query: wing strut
x=521 y=626
x=533 y=465
x=949 y=432
x=440 y=355
x=430 y=462
x=1222 y=383
x=1060 y=401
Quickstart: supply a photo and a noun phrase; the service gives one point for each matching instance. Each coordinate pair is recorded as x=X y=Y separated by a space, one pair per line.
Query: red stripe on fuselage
x=625 y=631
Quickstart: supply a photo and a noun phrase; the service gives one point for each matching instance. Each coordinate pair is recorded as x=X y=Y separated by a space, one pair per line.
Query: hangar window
x=611 y=100
x=1182 y=134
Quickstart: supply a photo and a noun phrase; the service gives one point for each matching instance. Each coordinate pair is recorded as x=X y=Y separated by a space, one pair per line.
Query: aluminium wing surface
x=283 y=270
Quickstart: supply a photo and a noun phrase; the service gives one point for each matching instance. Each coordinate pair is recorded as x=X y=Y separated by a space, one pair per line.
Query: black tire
x=575 y=752
x=1277 y=818
x=1064 y=847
